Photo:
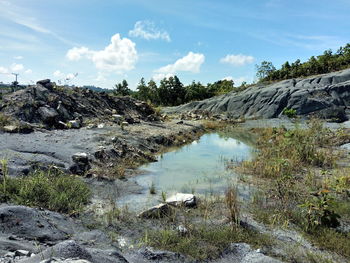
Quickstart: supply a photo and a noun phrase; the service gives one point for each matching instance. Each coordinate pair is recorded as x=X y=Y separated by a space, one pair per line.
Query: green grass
x=332 y=240
x=51 y=189
x=204 y=241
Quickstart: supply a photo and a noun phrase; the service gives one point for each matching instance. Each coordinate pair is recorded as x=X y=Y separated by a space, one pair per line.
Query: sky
x=94 y=42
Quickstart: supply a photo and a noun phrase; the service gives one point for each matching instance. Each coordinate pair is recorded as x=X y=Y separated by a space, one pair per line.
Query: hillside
x=326 y=96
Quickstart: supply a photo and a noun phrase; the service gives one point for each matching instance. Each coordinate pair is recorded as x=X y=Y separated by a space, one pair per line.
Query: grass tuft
x=50 y=189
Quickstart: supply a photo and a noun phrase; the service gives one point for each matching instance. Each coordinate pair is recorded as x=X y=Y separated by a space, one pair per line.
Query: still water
x=199 y=168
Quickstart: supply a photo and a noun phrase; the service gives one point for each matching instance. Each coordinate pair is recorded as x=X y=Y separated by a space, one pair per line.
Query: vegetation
x=198 y=236
x=302 y=185
x=325 y=63
x=4 y=120
x=50 y=189
x=203 y=242
x=172 y=92
x=290 y=113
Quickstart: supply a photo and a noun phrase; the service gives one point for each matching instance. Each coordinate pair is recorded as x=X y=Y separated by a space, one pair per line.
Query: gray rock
x=70 y=250
x=157 y=211
x=325 y=95
x=34 y=224
x=48 y=115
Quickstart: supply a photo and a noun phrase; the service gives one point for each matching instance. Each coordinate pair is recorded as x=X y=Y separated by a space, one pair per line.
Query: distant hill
x=98 y=89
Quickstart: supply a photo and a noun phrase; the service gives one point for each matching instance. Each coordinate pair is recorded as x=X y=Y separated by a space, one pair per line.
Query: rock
x=34 y=224
x=182 y=230
x=22 y=253
x=125 y=123
x=74 y=124
x=117 y=118
x=100 y=126
x=324 y=94
x=10 y=128
x=157 y=211
x=80 y=158
x=81 y=163
x=160 y=255
x=48 y=115
x=43 y=82
x=61 y=260
x=71 y=251
x=242 y=253
x=61 y=125
x=65 y=250
x=180 y=199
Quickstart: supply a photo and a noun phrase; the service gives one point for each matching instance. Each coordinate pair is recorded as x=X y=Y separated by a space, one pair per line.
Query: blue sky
x=105 y=42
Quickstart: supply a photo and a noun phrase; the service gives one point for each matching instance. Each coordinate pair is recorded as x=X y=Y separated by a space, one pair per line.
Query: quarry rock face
x=326 y=96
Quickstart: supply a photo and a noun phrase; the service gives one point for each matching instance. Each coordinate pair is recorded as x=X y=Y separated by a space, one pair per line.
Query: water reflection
x=198 y=167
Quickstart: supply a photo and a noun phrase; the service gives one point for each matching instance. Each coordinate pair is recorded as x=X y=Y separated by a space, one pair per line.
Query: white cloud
x=160 y=76
x=70 y=76
x=76 y=53
x=4 y=70
x=23 y=17
x=237 y=81
x=237 y=60
x=17 y=67
x=58 y=74
x=148 y=30
x=18 y=57
x=192 y=62
x=119 y=56
x=28 y=71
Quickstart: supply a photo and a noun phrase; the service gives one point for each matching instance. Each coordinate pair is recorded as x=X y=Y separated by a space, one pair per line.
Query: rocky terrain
x=89 y=134
x=326 y=96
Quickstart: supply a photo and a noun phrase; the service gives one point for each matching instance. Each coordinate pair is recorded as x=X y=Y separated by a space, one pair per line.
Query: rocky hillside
x=326 y=96
x=54 y=106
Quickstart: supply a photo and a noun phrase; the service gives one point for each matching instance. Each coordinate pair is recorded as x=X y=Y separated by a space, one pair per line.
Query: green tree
x=122 y=89
x=264 y=71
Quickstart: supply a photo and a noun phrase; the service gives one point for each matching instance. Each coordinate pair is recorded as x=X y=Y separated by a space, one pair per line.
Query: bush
x=50 y=189
x=290 y=113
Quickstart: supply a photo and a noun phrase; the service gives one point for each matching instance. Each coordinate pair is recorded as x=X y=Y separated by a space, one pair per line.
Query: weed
x=290 y=113
x=4 y=120
x=50 y=189
x=152 y=189
x=203 y=241
x=232 y=205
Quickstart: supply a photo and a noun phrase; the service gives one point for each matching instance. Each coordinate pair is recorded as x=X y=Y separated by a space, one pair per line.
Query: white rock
x=100 y=126
x=75 y=124
x=188 y=200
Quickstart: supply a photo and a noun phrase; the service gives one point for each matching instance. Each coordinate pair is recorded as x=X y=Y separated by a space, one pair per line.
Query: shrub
x=290 y=113
x=50 y=189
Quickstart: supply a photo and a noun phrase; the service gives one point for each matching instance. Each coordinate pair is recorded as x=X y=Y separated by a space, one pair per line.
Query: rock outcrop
x=326 y=96
x=51 y=106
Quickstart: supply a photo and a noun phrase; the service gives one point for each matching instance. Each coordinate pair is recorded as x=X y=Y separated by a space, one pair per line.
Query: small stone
x=75 y=124
x=100 y=126
x=22 y=253
x=117 y=118
x=10 y=128
x=80 y=158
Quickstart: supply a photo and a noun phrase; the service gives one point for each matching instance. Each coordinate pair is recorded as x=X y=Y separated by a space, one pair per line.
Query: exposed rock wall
x=324 y=95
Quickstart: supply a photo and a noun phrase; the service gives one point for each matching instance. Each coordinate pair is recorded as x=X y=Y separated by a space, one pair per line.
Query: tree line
x=171 y=92
x=325 y=63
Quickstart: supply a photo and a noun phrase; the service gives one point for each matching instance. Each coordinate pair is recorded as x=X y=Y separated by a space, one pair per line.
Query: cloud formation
x=237 y=60
x=192 y=62
x=17 y=67
x=119 y=56
x=148 y=30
